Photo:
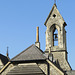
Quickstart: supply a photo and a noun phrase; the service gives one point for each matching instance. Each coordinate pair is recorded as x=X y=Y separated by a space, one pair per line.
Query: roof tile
x=31 y=53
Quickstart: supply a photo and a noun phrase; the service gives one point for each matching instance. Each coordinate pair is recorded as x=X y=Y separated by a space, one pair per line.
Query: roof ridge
x=2 y=55
x=41 y=51
x=31 y=53
x=21 y=52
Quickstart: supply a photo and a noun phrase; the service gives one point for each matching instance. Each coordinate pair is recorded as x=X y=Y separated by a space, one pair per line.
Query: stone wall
x=1 y=64
x=63 y=63
x=11 y=66
x=53 y=71
x=43 y=67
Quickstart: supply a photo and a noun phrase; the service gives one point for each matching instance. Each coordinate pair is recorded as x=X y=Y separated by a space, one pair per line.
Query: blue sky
x=19 y=19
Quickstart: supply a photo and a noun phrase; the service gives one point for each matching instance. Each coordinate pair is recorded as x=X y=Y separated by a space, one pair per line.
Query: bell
x=56 y=36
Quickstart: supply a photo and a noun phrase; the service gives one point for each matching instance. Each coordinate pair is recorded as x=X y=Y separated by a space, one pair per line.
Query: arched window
x=55 y=37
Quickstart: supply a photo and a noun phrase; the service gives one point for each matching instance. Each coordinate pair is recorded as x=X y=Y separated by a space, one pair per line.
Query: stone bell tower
x=56 y=38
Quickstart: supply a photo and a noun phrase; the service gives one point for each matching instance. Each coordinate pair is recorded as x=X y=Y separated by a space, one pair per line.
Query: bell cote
x=55 y=32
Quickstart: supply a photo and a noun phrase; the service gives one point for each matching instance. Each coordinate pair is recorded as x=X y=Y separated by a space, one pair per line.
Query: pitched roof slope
x=26 y=70
x=4 y=59
x=31 y=53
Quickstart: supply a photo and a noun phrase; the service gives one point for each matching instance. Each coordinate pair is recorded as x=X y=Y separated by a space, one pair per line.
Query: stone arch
x=52 y=29
x=55 y=25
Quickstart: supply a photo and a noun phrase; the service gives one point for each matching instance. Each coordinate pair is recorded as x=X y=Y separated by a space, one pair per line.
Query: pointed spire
x=55 y=3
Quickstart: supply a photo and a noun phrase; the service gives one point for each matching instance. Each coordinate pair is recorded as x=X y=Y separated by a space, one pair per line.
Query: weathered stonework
x=63 y=63
x=59 y=52
x=1 y=64
x=11 y=66
x=54 y=71
x=43 y=67
x=33 y=61
x=57 y=23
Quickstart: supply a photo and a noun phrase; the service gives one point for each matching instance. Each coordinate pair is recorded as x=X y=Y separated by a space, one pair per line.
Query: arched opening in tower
x=55 y=37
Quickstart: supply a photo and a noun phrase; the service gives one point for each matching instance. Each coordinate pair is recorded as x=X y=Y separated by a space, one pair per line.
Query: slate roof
x=71 y=72
x=4 y=59
x=31 y=53
x=26 y=70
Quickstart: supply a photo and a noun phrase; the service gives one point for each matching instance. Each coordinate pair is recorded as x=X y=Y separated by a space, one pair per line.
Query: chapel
x=52 y=61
